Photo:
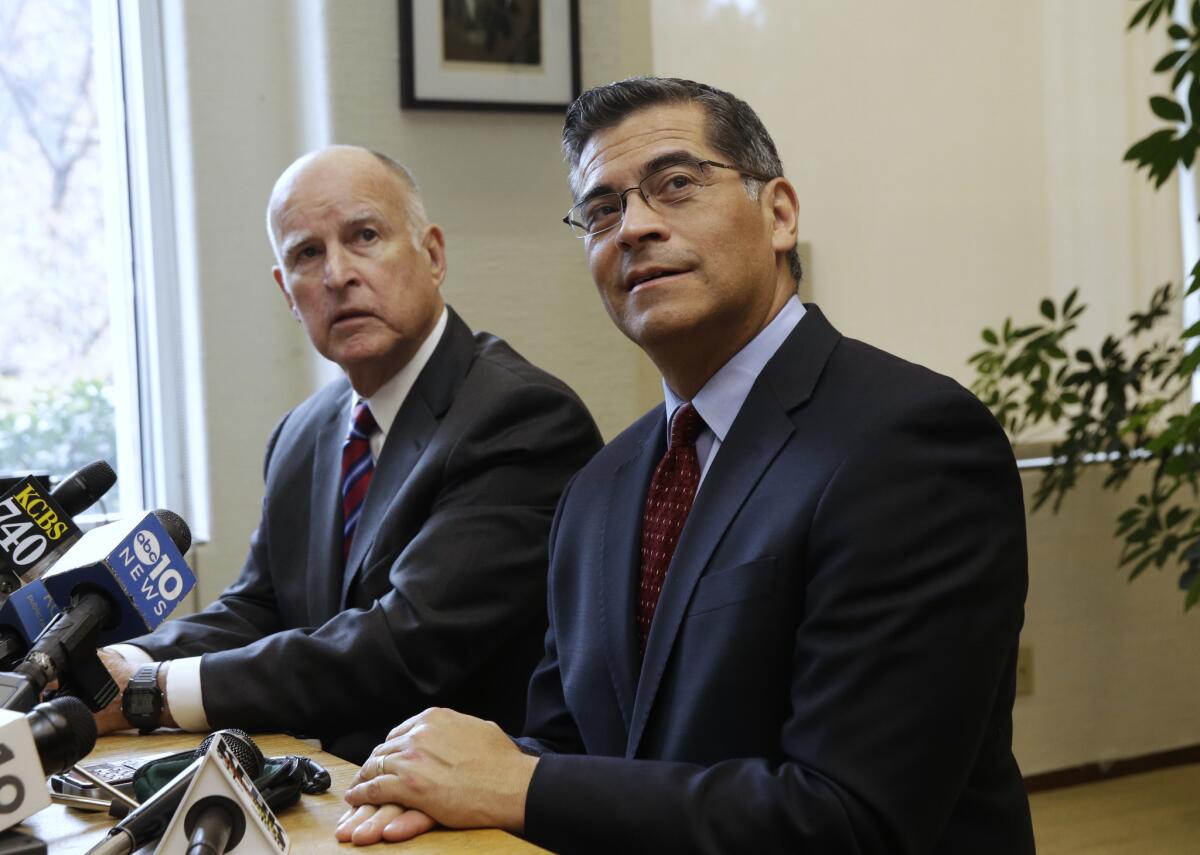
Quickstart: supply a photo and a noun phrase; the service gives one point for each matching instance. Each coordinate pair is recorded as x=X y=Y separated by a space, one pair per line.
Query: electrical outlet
x=1024 y=670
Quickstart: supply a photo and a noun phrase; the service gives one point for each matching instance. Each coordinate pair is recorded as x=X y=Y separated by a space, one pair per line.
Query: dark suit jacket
x=831 y=665
x=442 y=599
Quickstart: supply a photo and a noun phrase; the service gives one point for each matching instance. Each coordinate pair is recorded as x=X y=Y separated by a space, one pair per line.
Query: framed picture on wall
x=520 y=55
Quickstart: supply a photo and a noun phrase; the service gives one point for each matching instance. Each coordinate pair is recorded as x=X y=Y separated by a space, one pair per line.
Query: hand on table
x=439 y=766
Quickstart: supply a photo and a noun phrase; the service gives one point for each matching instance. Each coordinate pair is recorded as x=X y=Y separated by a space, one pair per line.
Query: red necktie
x=668 y=502
x=357 y=468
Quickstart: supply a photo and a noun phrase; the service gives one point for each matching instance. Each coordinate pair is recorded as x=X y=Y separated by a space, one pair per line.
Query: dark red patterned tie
x=668 y=502
x=357 y=467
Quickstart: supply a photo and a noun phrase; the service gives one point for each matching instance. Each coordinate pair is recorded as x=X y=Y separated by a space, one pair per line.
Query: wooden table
x=309 y=823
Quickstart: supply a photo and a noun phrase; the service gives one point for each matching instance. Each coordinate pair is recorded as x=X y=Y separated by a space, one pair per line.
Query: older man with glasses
x=784 y=606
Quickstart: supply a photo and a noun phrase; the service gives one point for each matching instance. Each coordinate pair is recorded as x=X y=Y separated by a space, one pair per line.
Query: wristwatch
x=142 y=702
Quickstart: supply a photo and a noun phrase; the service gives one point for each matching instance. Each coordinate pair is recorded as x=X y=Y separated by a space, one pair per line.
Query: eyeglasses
x=667 y=186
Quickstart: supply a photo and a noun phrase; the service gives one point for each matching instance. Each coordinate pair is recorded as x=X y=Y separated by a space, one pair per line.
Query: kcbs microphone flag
x=34 y=529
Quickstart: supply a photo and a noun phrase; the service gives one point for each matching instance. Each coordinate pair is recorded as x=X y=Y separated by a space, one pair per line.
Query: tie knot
x=364 y=425
x=686 y=426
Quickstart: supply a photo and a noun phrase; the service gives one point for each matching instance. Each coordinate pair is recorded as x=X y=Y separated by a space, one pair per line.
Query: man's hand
x=439 y=766
x=369 y=824
x=121 y=669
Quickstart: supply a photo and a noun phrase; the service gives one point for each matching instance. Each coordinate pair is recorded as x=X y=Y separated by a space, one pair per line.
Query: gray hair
x=414 y=207
x=733 y=128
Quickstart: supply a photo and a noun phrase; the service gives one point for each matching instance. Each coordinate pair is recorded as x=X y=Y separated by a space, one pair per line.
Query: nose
x=640 y=222
x=339 y=268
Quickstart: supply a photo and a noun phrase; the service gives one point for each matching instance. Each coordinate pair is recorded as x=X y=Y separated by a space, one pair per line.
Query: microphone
x=23 y=616
x=149 y=820
x=83 y=488
x=51 y=738
x=36 y=526
x=213 y=825
x=120 y=580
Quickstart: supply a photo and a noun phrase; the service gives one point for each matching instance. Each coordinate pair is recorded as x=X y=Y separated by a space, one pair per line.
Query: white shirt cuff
x=184 y=696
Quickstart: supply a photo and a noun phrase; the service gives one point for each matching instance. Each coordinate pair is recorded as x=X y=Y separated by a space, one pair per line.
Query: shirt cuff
x=183 y=694
x=132 y=654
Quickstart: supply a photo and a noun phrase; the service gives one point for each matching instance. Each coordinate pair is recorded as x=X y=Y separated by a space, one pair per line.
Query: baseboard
x=1090 y=773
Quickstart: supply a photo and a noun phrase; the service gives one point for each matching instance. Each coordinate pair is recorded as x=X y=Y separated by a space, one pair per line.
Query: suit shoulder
x=500 y=362
x=886 y=383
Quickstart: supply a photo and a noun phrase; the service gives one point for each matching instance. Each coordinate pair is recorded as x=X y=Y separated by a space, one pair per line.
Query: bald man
x=400 y=561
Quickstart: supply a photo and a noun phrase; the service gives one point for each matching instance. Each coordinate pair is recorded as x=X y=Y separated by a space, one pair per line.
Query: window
x=93 y=352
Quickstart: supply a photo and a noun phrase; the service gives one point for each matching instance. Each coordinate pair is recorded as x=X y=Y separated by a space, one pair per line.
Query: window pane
x=57 y=351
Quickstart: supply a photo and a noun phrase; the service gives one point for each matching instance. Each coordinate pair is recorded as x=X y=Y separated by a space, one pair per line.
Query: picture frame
x=503 y=55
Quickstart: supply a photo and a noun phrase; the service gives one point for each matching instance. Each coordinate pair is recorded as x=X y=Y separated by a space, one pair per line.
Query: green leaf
x=1192 y=331
x=1193 y=594
x=1167 y=109
x=1141 y=13
x=1047 y=309
x=1178 y=33
x=989 y=335
x=1168 y=61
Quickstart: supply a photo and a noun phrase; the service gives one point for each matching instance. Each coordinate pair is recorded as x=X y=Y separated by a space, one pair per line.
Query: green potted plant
x=1125 y=404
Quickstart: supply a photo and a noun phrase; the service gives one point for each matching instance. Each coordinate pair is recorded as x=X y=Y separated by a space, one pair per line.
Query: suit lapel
x=411 y=432
x=759 y=431
x=324 y=537
x=620 y=563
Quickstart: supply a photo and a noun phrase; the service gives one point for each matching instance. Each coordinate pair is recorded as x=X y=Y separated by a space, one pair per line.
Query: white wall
x=955 y=161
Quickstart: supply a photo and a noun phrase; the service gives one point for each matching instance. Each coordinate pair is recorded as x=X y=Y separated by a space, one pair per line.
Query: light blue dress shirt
x=721 y=398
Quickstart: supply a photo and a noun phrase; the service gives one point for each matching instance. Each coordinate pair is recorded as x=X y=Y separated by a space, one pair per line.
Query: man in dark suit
x=784 y=608
x=400 y=559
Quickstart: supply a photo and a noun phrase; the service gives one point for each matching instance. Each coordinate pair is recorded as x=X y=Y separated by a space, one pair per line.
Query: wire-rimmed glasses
x=667 y=186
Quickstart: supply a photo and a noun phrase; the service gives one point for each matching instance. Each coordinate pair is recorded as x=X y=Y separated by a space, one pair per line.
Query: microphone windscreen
x=178 y=530
x=83 y=487
x=243 y=747
x=64 y=731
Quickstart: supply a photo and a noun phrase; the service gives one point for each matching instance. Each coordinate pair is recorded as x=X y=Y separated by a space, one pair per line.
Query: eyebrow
x=367 y=217
x=662 y=161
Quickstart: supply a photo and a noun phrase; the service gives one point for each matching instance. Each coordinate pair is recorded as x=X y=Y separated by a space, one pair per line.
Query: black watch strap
x=142 y=702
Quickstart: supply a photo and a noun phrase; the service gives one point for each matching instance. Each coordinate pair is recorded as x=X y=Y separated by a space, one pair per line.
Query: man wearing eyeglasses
x=784 y=607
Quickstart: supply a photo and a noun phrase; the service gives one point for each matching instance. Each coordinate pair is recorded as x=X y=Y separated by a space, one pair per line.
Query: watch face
x=142 y=703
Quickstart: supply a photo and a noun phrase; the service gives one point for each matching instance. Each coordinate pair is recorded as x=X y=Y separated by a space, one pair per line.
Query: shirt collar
x=386 y=401
x=720 y=399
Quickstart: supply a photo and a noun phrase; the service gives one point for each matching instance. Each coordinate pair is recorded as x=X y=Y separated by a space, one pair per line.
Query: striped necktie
x=668 y=501
x=357 y=468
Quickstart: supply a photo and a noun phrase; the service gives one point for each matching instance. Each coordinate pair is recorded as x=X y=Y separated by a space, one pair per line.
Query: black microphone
x=83 y=488
x=117 y=582
x=150 y=819
x=214 y=825
x=64 y=731
x=52 y=737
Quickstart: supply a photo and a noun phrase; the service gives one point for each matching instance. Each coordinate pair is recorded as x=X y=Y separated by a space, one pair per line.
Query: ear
x=781 y=204
x=278 y=274
x=433 y=244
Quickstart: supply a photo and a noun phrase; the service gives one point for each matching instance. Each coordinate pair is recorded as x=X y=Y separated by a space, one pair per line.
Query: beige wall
x=955 y=160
